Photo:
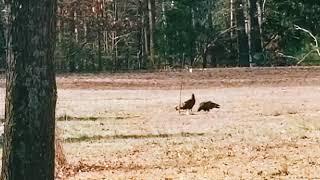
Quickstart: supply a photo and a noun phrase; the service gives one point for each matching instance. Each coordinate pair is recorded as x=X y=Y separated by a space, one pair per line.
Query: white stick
x=314 y=37
x=180 y=97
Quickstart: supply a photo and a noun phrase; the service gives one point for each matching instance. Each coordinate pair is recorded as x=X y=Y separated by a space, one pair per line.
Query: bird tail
x=217 y=106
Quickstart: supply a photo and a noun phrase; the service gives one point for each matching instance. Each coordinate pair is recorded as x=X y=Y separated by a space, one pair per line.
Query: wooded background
x=120 y=35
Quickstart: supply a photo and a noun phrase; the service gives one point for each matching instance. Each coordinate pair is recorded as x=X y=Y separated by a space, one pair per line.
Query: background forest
x=119 y=35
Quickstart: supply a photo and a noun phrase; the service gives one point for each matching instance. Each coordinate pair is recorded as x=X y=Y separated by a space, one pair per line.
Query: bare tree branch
x=287 y=56
x=314 y=37
x=305 y=56
x=263 y=6
x=210 y=43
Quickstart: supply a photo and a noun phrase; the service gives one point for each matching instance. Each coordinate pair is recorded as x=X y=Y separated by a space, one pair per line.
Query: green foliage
x=281 y=16
x=75 y=57
x=184 y=31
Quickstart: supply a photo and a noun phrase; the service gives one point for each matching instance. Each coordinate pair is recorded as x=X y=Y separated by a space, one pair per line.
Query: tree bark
x=29 y=133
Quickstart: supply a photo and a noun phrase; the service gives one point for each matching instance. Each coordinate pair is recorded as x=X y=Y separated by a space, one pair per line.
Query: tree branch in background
x=316 y=48
x=287 y=56
x=305 y=56
x=263 y=6
x=314 y=37
x=78 y=50
x=211 y=42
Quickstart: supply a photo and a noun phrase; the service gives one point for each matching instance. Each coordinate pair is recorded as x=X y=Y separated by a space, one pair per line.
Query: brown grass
x=60 y=158
x=267 y=127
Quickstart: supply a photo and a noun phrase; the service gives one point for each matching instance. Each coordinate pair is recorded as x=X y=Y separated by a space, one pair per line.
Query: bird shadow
x=191 y=114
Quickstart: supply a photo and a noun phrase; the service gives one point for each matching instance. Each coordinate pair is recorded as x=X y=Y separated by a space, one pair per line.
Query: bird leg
x=191 y=113
x=187 y=112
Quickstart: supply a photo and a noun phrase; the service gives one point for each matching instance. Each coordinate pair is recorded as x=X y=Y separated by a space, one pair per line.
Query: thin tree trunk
x=59 y=25
x=29 y=133
x=248 y=27
x=105 y=39
x=204 y=59
x=85 y=30
x=142 y=37
x=76 y=29
x=260 y=19
x=193 y=27
x=255 y=36
x=99 y=50
x=114 y=35
x=233 y=32
x=232 y=18
x=151 y=8
x=145 y=29
x=242 y=38
x=71 y=25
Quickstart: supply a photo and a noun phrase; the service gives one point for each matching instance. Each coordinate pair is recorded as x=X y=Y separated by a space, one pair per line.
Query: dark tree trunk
x=142 y=36
x=100 y=68
x=145 y=21
x=151 y=8
x=71 y=45
x=213 y=61
x=242 y=38
x=204 y=60
x=255 y=36
x=28 y=151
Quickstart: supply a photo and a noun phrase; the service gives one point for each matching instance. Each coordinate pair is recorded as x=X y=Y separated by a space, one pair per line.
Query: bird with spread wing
x=206 y=106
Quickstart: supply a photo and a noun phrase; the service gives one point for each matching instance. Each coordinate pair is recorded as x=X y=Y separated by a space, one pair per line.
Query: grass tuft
x=85 y=138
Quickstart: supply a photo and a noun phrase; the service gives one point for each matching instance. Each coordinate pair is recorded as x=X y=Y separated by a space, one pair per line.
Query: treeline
x=113 y=35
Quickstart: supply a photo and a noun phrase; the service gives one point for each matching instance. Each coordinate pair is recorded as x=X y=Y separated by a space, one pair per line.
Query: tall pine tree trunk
x=71 y=29
x=28 y=151
x=255 y=36
x=242 y=38
x=232 y=18
x=146 y=29
x=151 y=8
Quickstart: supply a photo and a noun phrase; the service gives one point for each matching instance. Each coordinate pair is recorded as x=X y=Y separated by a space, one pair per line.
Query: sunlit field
x=125 y=126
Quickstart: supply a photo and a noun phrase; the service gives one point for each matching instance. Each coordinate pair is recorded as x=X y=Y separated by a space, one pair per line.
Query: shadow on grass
x=86 y=138
x=71 y=118
x=92 y=118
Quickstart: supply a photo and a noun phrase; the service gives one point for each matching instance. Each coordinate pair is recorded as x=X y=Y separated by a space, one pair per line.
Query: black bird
x=187 y=105
x=206 y=106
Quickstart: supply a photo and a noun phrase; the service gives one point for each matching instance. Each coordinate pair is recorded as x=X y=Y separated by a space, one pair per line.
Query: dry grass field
x=124 y=126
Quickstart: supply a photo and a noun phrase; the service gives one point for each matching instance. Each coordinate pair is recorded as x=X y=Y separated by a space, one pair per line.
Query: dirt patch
x=199 y=78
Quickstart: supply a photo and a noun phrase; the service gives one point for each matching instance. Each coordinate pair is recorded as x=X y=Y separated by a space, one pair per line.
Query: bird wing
x=215 y=105
x=186 y=104
x=201 y=106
